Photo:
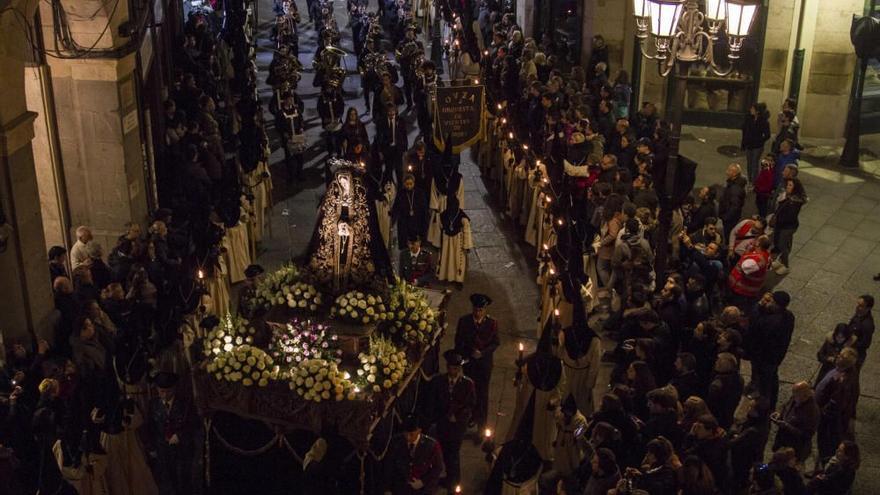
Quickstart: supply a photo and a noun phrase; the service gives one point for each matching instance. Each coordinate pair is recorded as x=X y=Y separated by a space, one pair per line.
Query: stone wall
x=828 y=76
x=779 y=41
x=26 y=303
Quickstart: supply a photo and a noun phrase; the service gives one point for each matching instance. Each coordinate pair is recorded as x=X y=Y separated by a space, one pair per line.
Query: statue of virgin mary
x=346 y=249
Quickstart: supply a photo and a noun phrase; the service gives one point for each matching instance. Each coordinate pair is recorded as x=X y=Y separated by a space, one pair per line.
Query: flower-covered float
x=335 y=339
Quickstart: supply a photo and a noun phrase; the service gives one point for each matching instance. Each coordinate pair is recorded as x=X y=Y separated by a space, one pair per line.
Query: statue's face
x=345 y=184
x=343 y=229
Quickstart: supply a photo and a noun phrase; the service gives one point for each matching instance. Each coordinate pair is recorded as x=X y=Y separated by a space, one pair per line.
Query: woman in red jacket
x=764 y=185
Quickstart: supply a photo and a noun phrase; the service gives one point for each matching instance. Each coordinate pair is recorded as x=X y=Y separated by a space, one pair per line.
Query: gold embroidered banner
x=459 y=112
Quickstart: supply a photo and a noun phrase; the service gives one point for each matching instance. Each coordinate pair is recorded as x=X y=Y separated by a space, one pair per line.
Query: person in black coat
x=733 y=198
x=784 y=464
x=392 y=142
x=663 y=418
x=656 y=475
x=686 y=381
x=476 y=338
x=785 y=222
x=290 y=126
x=171 y=422
x=410 y=212
x=725 y=390
x=57 y=263
x=771 y=326
x=708 y=441
x=707 y=208
x=839 y=474
x=455 y=398
x=755 y=133
x=862 y=325
x=747 y=441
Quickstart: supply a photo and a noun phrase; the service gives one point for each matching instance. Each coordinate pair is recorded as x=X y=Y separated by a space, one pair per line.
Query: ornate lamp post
x=683 y=36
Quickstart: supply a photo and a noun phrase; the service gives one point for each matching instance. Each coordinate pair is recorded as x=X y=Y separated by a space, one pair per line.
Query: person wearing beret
x=415 y=462
x=171 y=426
x=476 y=339
x=248 y=293
x=455 y=397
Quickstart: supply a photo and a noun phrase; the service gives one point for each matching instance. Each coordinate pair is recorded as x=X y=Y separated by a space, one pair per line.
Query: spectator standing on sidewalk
x=785 y=223
x=755 y=133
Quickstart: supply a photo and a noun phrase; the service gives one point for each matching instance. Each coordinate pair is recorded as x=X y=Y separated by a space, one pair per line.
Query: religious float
x=330 y=362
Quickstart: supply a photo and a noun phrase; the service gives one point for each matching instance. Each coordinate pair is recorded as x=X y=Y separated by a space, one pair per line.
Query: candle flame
x=556 y=312
x=526 y=147
x=476 y=81
x=545 y=246
x=560 y=222
x=457 y=488
x=201 y=275
x=552 y=272
x=511 y=135
x=521 y=347
x=488 y=433
x=503 y=120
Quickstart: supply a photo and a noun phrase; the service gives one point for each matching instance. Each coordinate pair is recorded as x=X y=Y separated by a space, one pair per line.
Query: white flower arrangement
x=245 y=364
x=360 y=308
x=232 y=331
x=304 y=340
x=383 y=367
x=414 y=319
x=302 y=296
x=319 y=380
x=269 y=290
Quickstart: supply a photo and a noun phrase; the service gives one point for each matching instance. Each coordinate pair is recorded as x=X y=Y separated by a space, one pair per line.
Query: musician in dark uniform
x=476 y=338
x=330 y=108
x=414 y=462
x=407 y=57
x=248 y=293
x=171 y=424
x=455 y=397
x=416 y=264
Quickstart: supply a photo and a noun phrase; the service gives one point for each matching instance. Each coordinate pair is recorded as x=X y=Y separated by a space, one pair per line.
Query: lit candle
x=503 y=120
x=526 y=147
x=457 y=488
x=409 y=168
x=556 y=312
x=545 y=246
x=499 y=106
x=560 y=222
x=511 y=135
x=201 y=275
x=552 y=272
x=485 y=52
x=487 y=433
x=522 y=349
x=476 y=81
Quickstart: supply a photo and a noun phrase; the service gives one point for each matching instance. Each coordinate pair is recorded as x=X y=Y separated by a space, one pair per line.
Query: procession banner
x=459 y=112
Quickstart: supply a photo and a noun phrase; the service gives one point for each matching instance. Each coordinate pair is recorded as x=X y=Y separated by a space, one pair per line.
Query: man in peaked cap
x=476 y=338
x=171 y=423
x=249 y=291
x=455 y=396
x=416 y=462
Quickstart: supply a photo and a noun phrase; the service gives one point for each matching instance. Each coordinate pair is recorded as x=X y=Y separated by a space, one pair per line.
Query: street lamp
x=683 y=36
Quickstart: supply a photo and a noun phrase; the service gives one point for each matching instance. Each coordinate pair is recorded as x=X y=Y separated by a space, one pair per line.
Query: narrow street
x=836 y=250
